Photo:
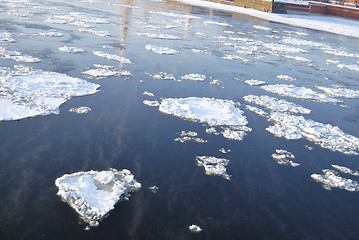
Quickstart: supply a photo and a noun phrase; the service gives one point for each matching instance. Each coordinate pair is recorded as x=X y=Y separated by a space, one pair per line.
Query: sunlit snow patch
x=80 y=110
x=18 y=56
x=194 y=77
x=276 y=104
x=112 y=57
x=340 y=91
x=327 y=136
x=299 y=92
x=94 y=194
x=160 y=50
x=331 y=179
x=214 y=166
x=26 y=92
x=345 y=170
x=283 y=157
x=189 y=136
x=70 y=49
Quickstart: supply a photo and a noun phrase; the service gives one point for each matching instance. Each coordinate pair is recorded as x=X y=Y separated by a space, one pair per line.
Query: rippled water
x=262 y=199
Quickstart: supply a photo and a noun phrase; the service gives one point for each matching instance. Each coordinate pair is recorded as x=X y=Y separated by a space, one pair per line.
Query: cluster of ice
x=256 y=110
x=80 y=110
x=201 y=51
x=153 y=189
x=353 y=67
x=224 y=151
x=148 y=94
x=163 y=76
x=346 y=170
x=325 y=135
x=194 y=77
x=51 y=33
x=214 y=166
x=153 y=103
x=283 y=48
x=6 y=37
x=77 y=19
x=340 y=91
x=159 y=36
x=302 y=42
x=212 y=130
x=101 y=33
x=254 y=82
x=262 y=28
x=331 y=178
x=235 y=57
x=174 y=15
x=297 y=58
x=284 y=157
x=103 y=71
x=26 y=92
x=112 y=57
x=70 y=49
x=276 y=104
x=224 y=24
x=18 y=56
x=94 y=194
x=161 y=50
x=189 y=136
x=195 y=228
x=286 y=77
x=299 y=92
x=339 y=53
x=216 y=82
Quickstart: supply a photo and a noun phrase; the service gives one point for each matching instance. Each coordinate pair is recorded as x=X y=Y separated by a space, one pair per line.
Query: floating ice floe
x=195 y=228
x=331 y=179
x=283 y=48
x=340 y=91
x=153 y=189
x=283 y=157
x=77 y=19
x=51 y=33
x=276 y=104
x=161 y=50
x=235 y=57
x=214 y=112
x=189 y=136
x=339 y=53
x=353 y=67
x=112 y=57
x=194 y=77
x=331 y=61
x=302 y=42
x=163 y=76
x=70 y=49
x=212 y=130
x=256 y=110
x=103 y=71
x=159 y=36
x=262 y=28
x=18 y=56
x=345 y=170
x=98 y=33
x=94 y=194
x=214 y=166
x=299 y=92
x=254 y=82
x=20 y=13
x=6 y=37
x=201 y=51
x=174 y=15
x=148 y=94
x=224 y=24
x=26 y=92
x=216 y=82
x=286 y=77
x=327 y=136
x=153 y=103
x=297 y=58
x=80 y=110
x=224 y=151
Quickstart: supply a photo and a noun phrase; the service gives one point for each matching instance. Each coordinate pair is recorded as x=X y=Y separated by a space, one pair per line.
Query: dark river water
x=263 y=200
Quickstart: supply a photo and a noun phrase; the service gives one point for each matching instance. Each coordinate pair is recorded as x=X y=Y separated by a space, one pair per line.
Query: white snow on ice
x=340 y=91
x=283 y=157
x=161 y=50
x=331 y=179
x=214 y=166
x=80 y=110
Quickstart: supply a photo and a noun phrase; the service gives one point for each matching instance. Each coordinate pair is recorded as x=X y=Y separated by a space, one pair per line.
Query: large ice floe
x=27 y=92
x=346 y=170
x=103 y=71
x=327 y=136
x=214 y=112
x=340 y=91
x=94 y=194
x=331 y=179
x=304 y=93
x=276 y=104
x=18 y=56
x=67 y=49
x=214 y=166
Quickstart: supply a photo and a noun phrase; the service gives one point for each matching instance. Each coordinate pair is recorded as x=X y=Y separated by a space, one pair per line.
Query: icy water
x=262 y=199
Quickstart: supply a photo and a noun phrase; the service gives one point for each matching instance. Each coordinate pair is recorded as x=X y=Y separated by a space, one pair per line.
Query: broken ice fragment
x=195 y=228
x=330 y=178
x=353 y=67
x=189 y=136
x=284 y=157
x=112 y=57
x=70 y=49
x=214 y=166
x=254 y=82
x=163 y=76
x=159 y=36
x=345 y=170
x=284 y=48
x=6 y=37
x=286 y=77
x=154 y=103
x=256 y=110
x=80 y=110
x=340 y=91
x=222 y=150
x=18 y=56
x=194 y=77
x=160 y=50
x=104 y=71
x=94 y=194
x=148 y=94
x=153 y=189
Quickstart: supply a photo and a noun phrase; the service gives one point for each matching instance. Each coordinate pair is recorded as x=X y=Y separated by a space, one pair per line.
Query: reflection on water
x=263 y=200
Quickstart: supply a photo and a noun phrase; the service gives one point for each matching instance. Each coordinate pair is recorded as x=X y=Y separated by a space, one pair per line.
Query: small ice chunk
x=112 y=57
x=80 y=110
x=253 y=82
x=103 y=71
x=154 y=103
x=286 y=77
x=331 y=179
x=195 y=228
x=51 y=33
x=235 y=57
x=6 y=37
x=189 y=136
x=256 y=110
x=299 y=92
x=284 y=48
x=224 y=24
x=276 y=104
x=353 y=67
x=233 y=134
x=159 y=36
x=345 y=170
x=201 y=51
x=70 y=49
x=262 y=28
x=212 y=130
x=148 y=94
x=332 y=61
x=18 y=56
x=214 y=166
x=284 y=157
x=216 y=82
x=339 y=53
x=163 y=76
x=224 y=151
x=297 y=58
x=161 y=50
x=340 y=91
x=302 y=42
x=194 y=77
x=153 y=189
x=94 y=194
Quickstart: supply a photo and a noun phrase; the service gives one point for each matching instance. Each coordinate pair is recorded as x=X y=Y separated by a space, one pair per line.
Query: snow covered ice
x=340 y=91
x=80 y=110
x=195 y=228
x=331 y=179
x=27 y=92
x=214 y=166
x=70 y=49
x=185 y=136
x=112 y=57
x=161 y=50
x=103 y=71
x=283 y=157
x=18 y=56
x=94 y=194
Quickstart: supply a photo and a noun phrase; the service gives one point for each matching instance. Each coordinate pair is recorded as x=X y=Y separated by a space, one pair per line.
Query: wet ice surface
x=214 y=166
x=94 y=194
